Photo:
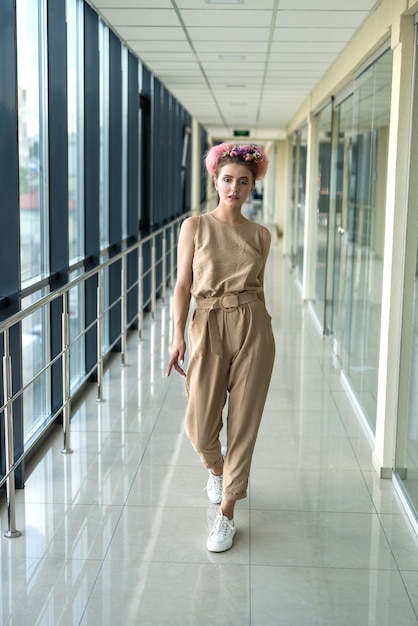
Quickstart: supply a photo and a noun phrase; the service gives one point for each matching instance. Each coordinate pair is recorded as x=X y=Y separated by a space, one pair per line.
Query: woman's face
x=234 y=183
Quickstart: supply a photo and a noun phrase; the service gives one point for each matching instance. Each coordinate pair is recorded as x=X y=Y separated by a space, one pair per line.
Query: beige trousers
x=241 y=376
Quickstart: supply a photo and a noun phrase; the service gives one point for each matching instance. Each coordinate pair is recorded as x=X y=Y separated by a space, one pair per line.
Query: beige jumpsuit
x=231 y=348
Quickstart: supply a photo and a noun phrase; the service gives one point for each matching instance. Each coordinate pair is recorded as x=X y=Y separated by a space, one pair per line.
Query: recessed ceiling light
x=224 y=1
x=232 y=57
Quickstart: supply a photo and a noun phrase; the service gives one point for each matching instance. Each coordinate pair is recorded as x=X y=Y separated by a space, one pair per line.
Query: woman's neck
x=229 y=216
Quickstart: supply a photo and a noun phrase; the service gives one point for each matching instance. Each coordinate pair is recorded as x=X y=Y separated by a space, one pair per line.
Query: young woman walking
x=221 y=261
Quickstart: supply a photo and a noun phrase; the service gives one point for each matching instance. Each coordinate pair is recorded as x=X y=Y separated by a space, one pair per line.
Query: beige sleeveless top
x=227 y=259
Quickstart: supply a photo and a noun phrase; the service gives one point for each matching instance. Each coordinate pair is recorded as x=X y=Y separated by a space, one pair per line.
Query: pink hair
x=245 y=153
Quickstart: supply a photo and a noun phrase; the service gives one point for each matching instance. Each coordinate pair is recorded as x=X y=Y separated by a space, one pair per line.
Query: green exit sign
x=241 y=133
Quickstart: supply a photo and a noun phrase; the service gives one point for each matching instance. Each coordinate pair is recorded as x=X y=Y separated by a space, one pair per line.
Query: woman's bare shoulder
x=266 y=233
x=189 y=226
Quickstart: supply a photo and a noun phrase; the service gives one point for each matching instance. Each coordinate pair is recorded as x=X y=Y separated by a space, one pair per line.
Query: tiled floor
x=115 y=534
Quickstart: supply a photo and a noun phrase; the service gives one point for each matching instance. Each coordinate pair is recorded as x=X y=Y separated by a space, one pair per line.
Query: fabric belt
x=226 y=302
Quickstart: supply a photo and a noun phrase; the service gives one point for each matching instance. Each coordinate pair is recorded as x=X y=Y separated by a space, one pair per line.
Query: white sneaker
x=222 y=534
x=214 y=488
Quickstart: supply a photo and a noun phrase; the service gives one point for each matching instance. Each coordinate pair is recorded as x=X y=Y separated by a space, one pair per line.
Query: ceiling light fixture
x=232 y=57
x=224 y=1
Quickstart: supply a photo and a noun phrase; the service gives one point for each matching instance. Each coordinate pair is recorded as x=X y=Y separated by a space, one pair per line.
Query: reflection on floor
x=115 y=534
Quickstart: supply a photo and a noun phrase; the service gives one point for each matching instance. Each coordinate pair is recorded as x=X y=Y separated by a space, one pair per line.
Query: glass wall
x=299 y=153
x=324 y=173
x=337 y=317
x=35 y=357
x=124 y=199
x=302 y=154
x=75 y=174
x=406 y=454
x=294 y=198
x=352 y=166
x=104 y=134
x=32 y=120
x=33 y=188
x=75 y=81
x=366 y=198
x=104 y=172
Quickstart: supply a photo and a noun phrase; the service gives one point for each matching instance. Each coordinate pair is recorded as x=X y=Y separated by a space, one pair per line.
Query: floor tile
x=46 y=591
x=169 y=594
x=303 y=596
x=309 y=490
x=173 y=535
x=319 y=539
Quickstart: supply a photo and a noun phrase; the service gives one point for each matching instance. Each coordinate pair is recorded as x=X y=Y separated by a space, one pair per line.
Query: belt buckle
x=224 y=306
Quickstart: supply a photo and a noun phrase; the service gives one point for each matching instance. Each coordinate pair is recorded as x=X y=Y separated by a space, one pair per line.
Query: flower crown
x=248 y=153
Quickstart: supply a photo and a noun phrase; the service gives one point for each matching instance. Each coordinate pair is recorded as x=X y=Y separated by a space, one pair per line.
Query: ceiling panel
x=282 y=48
x=243 y=36
x=313 y=34
x=303 y=47
x=228 y=19
x=154 y=33
x=229 y=47
x=254 y=5
x=135 y=4
x=312 y=18
x=328 y=5
x=140 y=17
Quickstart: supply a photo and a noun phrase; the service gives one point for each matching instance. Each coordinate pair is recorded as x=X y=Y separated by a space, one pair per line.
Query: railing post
x=66 y=407
x=11 y=532
x=153 y=279
x=99 y=339
x=164 y=265
x=140 y=291
x=123 y=315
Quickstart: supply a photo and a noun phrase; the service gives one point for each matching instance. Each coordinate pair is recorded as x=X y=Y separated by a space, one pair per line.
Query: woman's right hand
x=177 y=358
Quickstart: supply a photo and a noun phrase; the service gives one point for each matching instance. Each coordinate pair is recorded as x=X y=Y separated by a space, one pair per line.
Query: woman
x=221 y=261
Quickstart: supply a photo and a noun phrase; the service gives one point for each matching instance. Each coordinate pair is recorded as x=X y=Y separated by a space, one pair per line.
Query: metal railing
x=164 y=266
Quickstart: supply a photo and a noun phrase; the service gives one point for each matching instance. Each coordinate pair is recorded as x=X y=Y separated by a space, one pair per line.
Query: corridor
x=115 y=533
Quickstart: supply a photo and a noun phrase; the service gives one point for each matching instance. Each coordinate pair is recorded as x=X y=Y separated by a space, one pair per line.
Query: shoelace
x=221 y=525
x=216 y=483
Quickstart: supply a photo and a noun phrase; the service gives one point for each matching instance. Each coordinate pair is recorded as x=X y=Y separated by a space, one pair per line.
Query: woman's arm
x=265 y=253
x=181 y=298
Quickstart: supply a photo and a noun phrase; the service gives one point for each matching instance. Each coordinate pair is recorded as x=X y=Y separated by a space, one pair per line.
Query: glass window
x=104 y=134
x=35 y=356
x=76 y=316
x=124 y=142
x=75 y=80
x=105 y=299
x=32 y=129
x=140 y=71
